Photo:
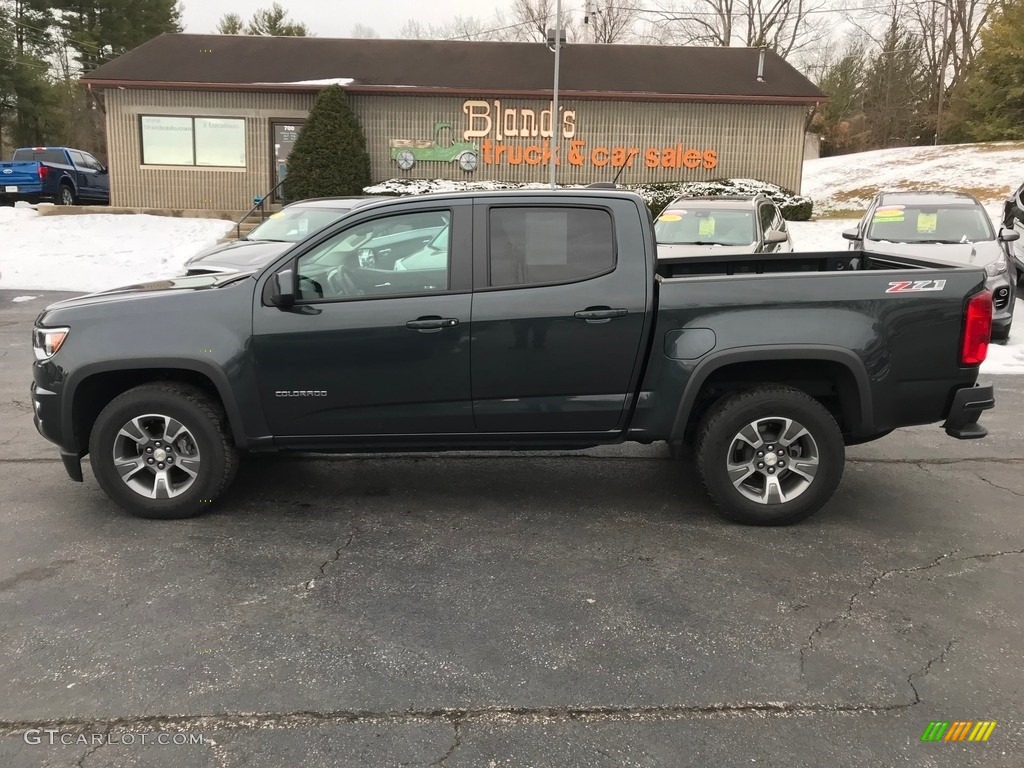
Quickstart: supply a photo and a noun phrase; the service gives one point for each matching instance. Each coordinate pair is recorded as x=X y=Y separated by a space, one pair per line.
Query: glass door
x=283 y=135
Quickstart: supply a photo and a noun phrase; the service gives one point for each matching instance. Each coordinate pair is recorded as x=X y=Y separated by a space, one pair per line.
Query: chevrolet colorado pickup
x=519 y=320
x=59 y=174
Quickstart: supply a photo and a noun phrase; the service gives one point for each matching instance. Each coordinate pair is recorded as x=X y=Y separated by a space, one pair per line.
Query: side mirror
x=282 y=292
x=851 y=234
x=776 y=236
x=1009 y=235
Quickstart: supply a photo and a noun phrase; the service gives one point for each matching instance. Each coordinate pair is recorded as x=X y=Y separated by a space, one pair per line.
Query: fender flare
x=813 y=352
x=203 y=367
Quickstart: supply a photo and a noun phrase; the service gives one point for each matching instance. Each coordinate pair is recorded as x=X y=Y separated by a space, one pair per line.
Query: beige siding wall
x=752 y=141
x=135 y=184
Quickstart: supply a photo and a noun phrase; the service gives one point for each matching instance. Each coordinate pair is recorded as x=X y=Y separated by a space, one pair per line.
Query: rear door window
x=547 y=244
x=55 y=156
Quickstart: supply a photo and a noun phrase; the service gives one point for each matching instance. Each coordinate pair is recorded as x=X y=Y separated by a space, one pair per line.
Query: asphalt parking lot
x=478 y=610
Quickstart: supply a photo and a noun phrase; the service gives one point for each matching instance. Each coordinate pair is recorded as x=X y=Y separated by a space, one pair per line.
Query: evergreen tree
x=329 y=157
x=894 y=89
x=230 y=24
x=990 y=105
x=840 y=120
x=101 y=30
x=274 y=21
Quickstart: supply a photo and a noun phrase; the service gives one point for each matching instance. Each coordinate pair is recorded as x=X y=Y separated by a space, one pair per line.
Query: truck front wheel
x=771 y=455
x=162 y=451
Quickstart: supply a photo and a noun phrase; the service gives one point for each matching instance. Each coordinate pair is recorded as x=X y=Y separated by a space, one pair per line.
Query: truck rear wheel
x=771 y=455
x=163 y=451
x=65 y=195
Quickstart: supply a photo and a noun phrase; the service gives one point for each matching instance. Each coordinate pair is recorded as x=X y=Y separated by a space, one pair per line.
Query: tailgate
x=18 y=175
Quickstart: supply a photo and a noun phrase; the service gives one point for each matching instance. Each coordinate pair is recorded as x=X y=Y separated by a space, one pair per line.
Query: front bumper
x=46 y=417
x=968 y=404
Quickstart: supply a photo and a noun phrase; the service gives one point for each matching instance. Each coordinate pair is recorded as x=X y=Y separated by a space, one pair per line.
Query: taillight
x=43 y=170
x=977 y=329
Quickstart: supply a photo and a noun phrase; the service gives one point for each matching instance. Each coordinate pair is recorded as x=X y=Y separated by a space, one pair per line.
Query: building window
x=204 y=141
x=549 y=245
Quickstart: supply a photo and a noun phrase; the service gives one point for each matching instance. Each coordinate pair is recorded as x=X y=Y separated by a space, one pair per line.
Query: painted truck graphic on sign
x=440 y=149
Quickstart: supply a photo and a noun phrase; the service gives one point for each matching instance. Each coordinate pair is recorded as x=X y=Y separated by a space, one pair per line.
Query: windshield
x=705 y=226
x=293 y=224
x=930 y=224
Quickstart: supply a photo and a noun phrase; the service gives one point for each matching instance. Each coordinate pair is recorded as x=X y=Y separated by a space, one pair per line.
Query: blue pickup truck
x=54 y=174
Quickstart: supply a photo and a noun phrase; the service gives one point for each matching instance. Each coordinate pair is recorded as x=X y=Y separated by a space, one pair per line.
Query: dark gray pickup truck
x=512 y=320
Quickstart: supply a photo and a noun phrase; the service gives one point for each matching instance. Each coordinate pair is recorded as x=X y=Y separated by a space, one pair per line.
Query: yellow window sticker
x=707 y=227
x=670 y=217
x=926 y=222
x=277 y=215
x=894 y=213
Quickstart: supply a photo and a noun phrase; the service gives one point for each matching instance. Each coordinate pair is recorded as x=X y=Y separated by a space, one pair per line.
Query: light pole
x=556 y=122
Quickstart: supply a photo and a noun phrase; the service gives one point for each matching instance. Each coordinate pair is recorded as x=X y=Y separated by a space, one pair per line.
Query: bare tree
x=786 y=26
x=363 y=32
x=458 y=28
x=530 y=20
x=606 y=21
x=949 y=34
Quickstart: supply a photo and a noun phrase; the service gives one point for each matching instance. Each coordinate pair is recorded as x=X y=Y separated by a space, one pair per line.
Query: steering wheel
x=342 y=284
x=317 y=288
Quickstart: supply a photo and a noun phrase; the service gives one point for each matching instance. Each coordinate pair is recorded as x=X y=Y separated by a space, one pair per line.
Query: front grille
x=1001 y=297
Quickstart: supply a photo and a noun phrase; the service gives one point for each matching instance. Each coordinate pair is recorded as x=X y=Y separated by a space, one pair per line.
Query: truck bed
x=760 y=263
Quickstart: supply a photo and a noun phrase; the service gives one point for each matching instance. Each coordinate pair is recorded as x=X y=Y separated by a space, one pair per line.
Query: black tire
x=65 y=195
x=207 y=428
x=717 y=438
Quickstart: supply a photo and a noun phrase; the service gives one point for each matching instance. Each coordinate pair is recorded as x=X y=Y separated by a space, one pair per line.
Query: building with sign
x=207 y=121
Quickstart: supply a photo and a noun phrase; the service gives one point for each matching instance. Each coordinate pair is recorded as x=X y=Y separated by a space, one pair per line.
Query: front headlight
x=47 y=341
x=997 y=267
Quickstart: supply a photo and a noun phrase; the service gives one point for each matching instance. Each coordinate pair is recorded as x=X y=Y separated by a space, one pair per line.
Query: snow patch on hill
x=848 y=182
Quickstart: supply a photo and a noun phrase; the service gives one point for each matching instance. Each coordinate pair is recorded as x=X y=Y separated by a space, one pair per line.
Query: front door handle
x=600 y=314
x=432 y=324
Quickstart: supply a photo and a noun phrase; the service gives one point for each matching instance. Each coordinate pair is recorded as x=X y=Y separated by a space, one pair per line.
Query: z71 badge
x=914 y=286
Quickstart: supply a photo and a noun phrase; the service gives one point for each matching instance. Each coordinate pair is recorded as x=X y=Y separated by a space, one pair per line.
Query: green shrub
x=329 y=158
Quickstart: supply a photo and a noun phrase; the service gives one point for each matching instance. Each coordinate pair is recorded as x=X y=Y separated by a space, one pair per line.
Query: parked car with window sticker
x=952 y=227
x=700 y=226
x=512 y=320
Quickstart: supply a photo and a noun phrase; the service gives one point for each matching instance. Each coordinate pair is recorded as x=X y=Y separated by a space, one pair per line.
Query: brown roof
x=234 y=62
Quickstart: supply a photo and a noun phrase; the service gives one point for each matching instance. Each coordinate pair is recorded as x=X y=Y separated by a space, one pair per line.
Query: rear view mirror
x=1009 y=235
x=851 y=234
x=775 y=236
x=282 y=292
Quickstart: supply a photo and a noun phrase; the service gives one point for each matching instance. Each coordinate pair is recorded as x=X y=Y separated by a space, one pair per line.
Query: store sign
x=518 y=136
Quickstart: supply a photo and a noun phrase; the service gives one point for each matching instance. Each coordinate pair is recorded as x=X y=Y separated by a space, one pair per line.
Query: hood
x=239 y=255
x=955 y=254
x=153 y=288
x=667 y=251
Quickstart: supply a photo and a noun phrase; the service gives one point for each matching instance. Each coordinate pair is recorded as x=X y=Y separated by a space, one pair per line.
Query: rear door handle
x=600 y=314
x=432 y=324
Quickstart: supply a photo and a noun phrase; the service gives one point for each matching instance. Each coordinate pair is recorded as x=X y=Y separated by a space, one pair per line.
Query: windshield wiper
x=268 y=240
x=692 y=242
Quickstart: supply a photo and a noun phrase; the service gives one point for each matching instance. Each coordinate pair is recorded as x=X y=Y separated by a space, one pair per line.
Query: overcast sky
x=335 y=18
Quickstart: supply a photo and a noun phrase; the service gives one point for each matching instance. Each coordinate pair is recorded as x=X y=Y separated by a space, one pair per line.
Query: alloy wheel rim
x=156 y=456
x=772 y=460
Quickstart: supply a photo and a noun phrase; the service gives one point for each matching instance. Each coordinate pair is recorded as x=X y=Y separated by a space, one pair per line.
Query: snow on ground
x=93 y=252
x=848 y=182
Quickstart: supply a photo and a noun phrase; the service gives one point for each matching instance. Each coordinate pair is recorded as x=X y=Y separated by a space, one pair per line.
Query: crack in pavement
x=997 y=485
x=456 y=743
x=337 y=556
x=927 y=668
x=487 y=715
x=94 y=748
x=852 y=602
